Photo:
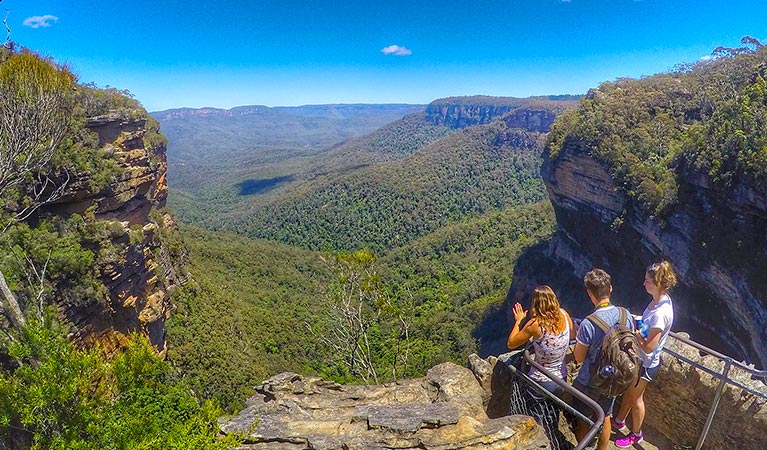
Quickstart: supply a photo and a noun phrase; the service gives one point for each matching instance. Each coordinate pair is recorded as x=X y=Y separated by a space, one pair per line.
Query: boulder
x=443 y=410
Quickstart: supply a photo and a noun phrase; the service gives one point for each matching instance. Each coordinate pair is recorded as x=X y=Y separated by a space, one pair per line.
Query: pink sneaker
x=629 y=440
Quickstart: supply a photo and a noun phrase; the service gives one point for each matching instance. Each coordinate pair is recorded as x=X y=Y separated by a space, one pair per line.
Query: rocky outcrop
x=455 y=407
x=714 y=238
x=138 y=269
x=444 y=410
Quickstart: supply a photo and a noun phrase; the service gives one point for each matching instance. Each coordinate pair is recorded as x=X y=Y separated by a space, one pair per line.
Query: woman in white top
x=656 y=320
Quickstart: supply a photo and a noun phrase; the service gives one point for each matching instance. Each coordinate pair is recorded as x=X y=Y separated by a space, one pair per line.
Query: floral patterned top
x=550 y=352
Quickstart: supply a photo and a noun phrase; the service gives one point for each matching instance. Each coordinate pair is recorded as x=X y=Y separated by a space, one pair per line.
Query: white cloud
x=40 y=21
x=396 y=50
x=706 y=58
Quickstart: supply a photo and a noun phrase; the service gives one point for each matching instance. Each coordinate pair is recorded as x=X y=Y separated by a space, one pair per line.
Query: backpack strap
x=624 y=316
x=596 y=320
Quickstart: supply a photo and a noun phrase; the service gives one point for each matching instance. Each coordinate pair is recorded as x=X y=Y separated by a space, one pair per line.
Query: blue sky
x=173 y=53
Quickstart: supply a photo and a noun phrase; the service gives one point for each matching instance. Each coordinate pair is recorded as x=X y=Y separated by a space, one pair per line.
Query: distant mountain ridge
x=339 y=109
x=215 y=156
x=381 y=205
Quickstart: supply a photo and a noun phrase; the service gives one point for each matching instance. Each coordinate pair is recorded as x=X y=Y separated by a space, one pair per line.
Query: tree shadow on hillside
x=253 y=186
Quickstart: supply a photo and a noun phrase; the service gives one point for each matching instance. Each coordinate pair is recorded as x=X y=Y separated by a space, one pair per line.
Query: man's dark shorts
x=606 y=403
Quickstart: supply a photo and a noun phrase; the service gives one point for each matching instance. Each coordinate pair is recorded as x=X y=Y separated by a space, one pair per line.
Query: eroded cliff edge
x=714 y=238
x=135 y=265
x=672 y=166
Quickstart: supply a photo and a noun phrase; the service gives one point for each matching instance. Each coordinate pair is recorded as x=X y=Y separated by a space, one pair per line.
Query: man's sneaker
x=629 y=440
x=618 y=425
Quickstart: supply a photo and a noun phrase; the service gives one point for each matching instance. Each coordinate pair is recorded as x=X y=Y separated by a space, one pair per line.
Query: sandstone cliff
x=714 y=239
x=140 y=268
x=533 y=113
x=670 y=166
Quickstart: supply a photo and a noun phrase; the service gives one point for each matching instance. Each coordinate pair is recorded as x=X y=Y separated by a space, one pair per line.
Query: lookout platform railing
x=722 y=376
x=554 y=401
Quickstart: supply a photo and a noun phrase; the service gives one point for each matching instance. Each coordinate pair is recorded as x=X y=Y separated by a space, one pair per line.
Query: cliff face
x=715 y=239
x=139 y=271
x=532 y=114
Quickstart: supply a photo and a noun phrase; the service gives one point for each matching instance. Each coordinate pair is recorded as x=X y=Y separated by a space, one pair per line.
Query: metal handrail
x=753 y=371
x=595 y=426
x=723 y=378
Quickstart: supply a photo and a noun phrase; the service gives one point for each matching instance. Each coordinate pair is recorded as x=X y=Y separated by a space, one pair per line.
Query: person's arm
x=657 y=323
x=650 y=343
x=579 y=352
x=570 y=324
x=519 y=336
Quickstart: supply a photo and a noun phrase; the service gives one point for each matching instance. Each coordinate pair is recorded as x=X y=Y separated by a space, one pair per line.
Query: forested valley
x=428 y=218
x=285 y=224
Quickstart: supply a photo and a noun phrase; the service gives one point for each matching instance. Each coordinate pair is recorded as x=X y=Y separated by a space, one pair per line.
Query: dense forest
x=220 y=186
x=384 y=206
x=257 y=307
x=211 y=151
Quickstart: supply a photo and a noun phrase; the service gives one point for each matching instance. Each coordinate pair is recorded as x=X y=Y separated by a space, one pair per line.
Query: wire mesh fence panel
x=528 y=399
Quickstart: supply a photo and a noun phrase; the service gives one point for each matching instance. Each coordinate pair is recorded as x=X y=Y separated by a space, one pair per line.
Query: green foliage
x=44 y=138
x=467 y=173
x=109 y=100
x=708 y=117
x=244 y=319
x=60 y=397
x=458 y=275
x=35 y=122
x=55 y=260
x=360 y=315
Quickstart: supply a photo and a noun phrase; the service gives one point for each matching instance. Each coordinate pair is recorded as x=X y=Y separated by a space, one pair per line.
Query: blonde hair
x=662 y=275
x=544 y=307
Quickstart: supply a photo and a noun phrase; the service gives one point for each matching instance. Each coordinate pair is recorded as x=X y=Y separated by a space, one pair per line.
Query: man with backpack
x=606 y=346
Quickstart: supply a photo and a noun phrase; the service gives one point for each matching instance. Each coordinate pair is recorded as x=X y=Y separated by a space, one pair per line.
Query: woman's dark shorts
x=648 y=374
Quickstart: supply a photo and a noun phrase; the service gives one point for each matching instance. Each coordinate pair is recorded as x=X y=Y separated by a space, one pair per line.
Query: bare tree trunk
x=5 y=23
x=11 y=304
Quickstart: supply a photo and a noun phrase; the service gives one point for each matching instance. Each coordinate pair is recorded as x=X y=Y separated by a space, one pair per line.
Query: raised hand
x=519 y=313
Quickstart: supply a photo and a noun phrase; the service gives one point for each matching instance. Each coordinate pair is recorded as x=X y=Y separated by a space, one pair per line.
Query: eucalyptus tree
x=37 y=100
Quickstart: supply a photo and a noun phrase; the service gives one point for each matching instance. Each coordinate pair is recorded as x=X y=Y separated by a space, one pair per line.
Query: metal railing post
x=715 y=404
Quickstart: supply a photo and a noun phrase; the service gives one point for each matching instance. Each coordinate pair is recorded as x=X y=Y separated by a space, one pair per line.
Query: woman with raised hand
x=551 y=329
x=652 y=333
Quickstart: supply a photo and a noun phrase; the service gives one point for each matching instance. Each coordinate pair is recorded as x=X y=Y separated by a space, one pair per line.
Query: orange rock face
x=138 y=275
